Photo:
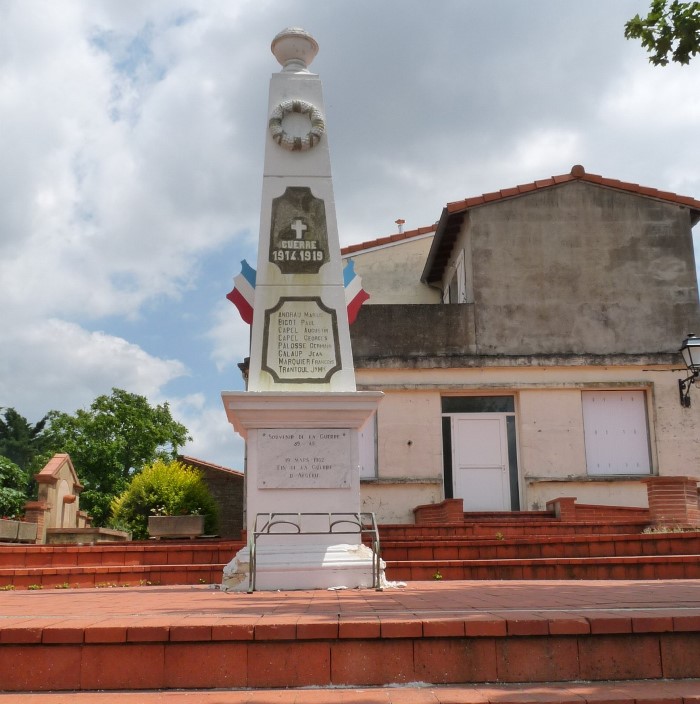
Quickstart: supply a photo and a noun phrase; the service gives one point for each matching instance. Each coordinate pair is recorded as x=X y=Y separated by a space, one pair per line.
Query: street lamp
x=690 y=349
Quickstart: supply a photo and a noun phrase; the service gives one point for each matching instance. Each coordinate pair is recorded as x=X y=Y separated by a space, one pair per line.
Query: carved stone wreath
x=296 y=144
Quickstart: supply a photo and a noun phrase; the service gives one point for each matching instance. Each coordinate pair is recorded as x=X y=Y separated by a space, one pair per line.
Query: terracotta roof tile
x=544 y=182
x=389 y=239
x=526 y=187
x=193 y=461
x=577 y=173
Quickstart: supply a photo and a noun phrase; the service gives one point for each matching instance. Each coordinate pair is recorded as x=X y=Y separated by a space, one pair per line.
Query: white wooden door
x=480 y=472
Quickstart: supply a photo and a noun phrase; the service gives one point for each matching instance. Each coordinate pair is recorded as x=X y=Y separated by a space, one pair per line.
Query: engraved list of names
x=300 y=341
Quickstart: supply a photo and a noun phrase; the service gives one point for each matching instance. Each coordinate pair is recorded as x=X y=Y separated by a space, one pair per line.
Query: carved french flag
x=355 y=295
x=243 y=294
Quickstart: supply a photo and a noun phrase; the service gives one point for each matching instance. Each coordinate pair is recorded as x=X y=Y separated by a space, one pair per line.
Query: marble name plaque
x=300 y=341
x=304 y=459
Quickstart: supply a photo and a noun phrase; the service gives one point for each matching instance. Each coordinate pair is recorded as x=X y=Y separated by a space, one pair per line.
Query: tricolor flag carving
x=355 y=295
x=243 y=294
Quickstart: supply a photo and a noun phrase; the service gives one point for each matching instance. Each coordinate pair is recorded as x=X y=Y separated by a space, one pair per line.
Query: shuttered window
x=616 y=434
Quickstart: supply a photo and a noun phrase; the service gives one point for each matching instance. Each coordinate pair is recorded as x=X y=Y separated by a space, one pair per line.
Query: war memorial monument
x=301 y=413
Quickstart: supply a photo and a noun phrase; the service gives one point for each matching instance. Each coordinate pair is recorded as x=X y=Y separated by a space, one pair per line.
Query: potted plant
x=184 y=525
x=166 y=500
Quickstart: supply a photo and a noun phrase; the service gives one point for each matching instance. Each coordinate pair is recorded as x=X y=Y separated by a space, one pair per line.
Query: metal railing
x=363 y=524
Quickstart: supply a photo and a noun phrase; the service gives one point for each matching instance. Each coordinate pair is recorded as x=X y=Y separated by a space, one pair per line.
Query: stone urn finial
x=294 y=48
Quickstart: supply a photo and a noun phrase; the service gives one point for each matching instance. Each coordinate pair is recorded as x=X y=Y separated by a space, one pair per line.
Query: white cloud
x=229 y=336
x=55 y=365
x=213 y=438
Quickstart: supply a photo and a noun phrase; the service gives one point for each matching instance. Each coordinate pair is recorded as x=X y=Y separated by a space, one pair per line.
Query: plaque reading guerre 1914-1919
x=300 y=341
x=304 y=458
x=298 y=234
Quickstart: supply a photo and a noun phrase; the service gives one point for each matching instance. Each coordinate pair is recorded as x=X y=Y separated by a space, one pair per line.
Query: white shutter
x=615 y=428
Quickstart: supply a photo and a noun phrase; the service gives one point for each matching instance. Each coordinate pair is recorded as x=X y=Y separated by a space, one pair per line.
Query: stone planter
x=26 y=532
x=175 y=526
x=17 y=531
x=8 y=530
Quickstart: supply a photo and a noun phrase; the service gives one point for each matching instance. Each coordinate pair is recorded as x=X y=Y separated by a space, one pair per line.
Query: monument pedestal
x=303 y=458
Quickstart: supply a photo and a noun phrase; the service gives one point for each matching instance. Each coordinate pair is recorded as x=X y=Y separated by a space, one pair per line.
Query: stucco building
x=528 y=346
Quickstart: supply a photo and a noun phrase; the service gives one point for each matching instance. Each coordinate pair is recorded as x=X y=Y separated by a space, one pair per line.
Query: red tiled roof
x=453 y=213
x=350 y=249
x=194 y=462
x=578 y=173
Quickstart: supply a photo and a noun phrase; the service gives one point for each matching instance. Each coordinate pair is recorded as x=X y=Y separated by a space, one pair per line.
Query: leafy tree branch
x=671 y=31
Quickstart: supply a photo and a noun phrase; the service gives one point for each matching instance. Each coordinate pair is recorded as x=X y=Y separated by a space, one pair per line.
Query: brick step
x=510 y=529
x=194 y=638
x=163 y=552
x=685 y=691
x=109 y=576
x=604 y=568
x=460 y=548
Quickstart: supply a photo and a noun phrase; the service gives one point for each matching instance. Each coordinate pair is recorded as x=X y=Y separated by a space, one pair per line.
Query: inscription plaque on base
x=317 y=458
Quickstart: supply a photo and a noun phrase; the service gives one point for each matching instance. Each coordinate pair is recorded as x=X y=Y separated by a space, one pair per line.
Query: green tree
x=163 y=488
x=20 y=441
x=670 y=29
x=13 y=485
x=109 y=442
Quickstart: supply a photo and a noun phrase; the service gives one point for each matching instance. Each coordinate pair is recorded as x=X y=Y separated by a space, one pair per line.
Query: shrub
x=167 y=489
x=13 y=483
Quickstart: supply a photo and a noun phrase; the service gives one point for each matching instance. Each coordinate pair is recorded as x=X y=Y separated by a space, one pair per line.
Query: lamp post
x=690 y=350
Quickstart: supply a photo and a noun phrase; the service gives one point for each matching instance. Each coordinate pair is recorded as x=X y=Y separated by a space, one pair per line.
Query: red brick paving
x=638 y=692
x=443 y=632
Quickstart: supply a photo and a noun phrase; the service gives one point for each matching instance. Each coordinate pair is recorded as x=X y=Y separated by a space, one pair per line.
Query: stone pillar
x=673 y=500
x=564 y=508
x=37 y=512
x=301 y=414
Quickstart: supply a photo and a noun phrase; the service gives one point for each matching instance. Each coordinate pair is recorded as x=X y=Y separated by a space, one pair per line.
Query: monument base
x=285 y=567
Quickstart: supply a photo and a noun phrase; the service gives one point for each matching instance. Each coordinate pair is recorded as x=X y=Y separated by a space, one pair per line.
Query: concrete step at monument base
x=603 y=568
x=632 y=692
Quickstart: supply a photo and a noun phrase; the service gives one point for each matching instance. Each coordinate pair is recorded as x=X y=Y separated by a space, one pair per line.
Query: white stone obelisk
x=301 y=414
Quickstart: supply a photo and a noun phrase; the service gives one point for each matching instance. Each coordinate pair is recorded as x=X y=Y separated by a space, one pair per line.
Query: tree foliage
x=671 y=29
x=13 y=484
x=163 y=488
x=117 y=436
x=20 y=441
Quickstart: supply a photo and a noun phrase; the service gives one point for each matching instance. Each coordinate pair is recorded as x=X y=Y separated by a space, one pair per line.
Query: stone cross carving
x=299 y=228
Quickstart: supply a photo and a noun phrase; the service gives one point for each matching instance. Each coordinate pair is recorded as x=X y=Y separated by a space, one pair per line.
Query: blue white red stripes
x=243 y=294
x=355 y=295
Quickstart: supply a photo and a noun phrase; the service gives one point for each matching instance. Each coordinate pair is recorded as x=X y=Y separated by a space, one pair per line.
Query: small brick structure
x=226 y=485
x=565 y=508
x=58 y=503
x=447 y=511
x=673 y=501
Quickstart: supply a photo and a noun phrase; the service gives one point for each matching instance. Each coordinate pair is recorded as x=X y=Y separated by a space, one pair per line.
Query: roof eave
x=435 y=246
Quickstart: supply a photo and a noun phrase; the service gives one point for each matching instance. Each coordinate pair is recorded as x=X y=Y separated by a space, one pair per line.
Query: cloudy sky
x=131 y=152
